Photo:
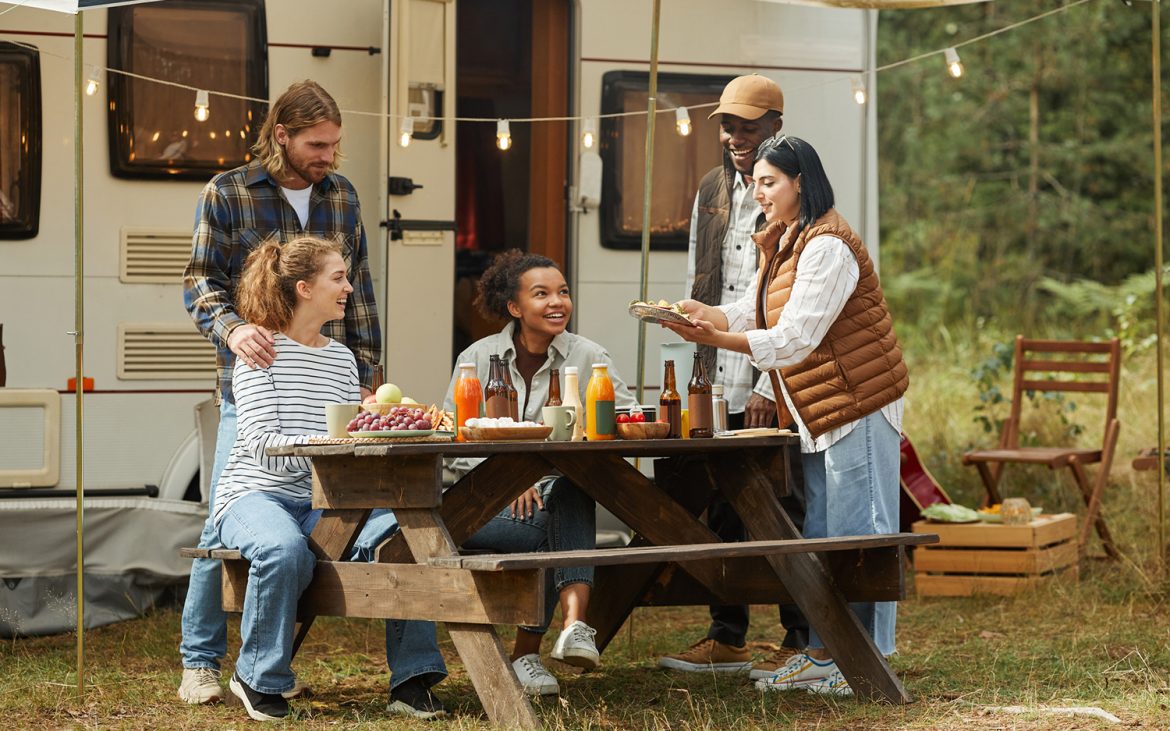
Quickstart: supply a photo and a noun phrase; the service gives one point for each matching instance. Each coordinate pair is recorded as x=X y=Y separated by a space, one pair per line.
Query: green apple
x=408 y=400
x=388 y=393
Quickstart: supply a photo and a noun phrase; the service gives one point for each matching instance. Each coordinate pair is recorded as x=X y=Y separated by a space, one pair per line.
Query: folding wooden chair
x=1067 y=366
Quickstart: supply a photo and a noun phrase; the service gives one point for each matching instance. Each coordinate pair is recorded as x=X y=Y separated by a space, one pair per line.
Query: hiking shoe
x=413 y=698
x=799 y=672
x=835 y=684
x=200 y=685
x=299 y=689
x=576 y=647
x=706 y=656
x=769 y=666
x=534 y=677
x=260 y=706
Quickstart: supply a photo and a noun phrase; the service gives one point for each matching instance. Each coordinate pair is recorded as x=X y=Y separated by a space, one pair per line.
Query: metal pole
x=79 y=336
x=1159 y=316
x=651 y=108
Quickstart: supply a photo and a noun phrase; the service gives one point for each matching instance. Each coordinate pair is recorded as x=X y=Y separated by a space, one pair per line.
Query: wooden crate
x=991 y=558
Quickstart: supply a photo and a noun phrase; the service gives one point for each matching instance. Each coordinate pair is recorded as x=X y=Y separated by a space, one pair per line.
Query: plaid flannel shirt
x=237 y=212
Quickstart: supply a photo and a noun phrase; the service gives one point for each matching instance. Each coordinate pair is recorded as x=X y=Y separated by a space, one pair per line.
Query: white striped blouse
x=279 y=405
x=825 y=279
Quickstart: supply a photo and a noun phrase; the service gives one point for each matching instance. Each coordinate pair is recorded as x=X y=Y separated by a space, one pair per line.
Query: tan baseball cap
x=750 y=97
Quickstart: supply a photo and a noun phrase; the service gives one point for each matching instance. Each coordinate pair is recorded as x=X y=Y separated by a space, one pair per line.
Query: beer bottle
x=699 y=401
x=670 y=403
x=495 y=393
x=513 y=395
x=554 y=388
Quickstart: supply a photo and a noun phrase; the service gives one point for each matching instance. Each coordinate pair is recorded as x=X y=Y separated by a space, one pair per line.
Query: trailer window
x=679 y=162
x=216 y=45
x=20 y=141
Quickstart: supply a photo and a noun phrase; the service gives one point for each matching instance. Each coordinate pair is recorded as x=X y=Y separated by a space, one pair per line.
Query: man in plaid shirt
x=290 y=189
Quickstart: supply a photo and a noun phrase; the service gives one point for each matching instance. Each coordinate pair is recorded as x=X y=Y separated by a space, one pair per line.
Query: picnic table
x=675 y=558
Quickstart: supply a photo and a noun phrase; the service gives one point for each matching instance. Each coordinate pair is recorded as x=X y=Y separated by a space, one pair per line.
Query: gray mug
x=561 y=419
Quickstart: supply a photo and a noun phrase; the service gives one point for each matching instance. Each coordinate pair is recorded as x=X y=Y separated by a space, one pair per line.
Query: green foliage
x=1031 y=172
x=989 y=412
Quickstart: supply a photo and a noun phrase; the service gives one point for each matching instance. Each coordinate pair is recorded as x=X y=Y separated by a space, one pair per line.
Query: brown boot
x=707 y=656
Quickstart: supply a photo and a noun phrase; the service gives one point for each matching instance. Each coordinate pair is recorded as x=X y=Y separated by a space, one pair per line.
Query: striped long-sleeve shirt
x=278 y=405
x=825 y=279
x=237 y=212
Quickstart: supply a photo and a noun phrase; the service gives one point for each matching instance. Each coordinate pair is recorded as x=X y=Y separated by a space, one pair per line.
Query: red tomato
x=623 y=418
x=638 y=417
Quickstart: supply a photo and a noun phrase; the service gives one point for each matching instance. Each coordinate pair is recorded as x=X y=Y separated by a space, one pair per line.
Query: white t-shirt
x=299 y=200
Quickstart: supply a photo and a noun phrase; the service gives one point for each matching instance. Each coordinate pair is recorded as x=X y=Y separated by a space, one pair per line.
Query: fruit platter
x=660 y=311
x=504 y=429
x=406 y=420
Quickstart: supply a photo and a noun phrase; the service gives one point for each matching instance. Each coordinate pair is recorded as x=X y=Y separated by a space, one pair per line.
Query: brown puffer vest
x=858 y=367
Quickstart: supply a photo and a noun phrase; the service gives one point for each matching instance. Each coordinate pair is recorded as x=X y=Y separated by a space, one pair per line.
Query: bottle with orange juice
x=600 y=420
x=468 y=397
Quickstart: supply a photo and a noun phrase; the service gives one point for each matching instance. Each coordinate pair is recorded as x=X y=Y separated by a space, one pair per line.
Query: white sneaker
x=799 y=672
x=576 y=647
x=534 y=676
x=200 y=685
x=835 y=684
x=299 y=689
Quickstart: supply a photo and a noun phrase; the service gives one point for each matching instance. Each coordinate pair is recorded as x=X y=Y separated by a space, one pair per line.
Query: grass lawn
x=1102 y=642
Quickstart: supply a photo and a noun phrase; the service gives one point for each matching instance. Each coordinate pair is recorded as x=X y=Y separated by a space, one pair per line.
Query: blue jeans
x=852 y=490
x=567 y=523
x=204 y=621
x=411 y=647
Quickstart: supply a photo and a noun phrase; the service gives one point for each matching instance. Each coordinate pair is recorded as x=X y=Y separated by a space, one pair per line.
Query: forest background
x=1018 y=199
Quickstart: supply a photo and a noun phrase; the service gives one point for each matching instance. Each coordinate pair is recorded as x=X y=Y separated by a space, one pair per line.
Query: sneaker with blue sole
x=835 y=684
x=798 y=673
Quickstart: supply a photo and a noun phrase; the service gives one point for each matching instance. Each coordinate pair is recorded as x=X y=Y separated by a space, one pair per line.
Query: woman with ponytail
x=818 y=324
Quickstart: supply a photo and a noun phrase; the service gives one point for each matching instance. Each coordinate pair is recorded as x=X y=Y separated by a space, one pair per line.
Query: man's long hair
x=302 y=105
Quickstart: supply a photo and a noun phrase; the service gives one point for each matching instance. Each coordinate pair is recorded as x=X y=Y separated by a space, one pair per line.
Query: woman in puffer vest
x=818 y=323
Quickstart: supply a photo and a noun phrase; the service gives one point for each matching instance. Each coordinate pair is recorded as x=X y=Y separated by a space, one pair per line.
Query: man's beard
x=311 y=175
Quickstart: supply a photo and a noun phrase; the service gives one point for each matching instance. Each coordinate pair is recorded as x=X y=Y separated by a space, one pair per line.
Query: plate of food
x=660 y=311
x=399 y=421
x=392 y=433
x=503 y=430
x=992 y=513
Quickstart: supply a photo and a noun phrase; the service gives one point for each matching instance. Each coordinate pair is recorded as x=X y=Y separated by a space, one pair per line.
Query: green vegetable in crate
x=950 y=513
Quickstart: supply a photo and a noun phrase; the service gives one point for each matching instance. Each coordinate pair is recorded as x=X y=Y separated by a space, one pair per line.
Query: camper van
x=441 y=192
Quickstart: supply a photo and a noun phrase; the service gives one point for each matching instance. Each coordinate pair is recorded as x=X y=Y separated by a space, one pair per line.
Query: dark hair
x=267 y=292
x=501 y=281
x=793 y=156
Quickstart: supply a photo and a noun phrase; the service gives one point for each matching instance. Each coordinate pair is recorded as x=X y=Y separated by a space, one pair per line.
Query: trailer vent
x=163 y=353
x=154 y=256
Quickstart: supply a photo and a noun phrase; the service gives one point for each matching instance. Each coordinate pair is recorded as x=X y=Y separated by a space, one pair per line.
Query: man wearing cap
x=721 y=265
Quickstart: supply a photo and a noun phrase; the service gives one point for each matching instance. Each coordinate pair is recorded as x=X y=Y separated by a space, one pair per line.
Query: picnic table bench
x=675 y=558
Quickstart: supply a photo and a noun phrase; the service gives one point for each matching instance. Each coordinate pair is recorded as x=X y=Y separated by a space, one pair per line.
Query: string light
x=858 y=91
x=202 y=104
x=588 y=133
x=503 y=134
x=94 y=82
x=954 y=65
x=682 y=121
x=405 y=131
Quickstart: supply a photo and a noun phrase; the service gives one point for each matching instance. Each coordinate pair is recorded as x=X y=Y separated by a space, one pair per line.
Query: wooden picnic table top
x=624 y=447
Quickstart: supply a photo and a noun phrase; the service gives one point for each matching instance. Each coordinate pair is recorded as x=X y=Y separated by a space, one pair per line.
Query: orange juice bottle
x=599 y=405
x=468 y=397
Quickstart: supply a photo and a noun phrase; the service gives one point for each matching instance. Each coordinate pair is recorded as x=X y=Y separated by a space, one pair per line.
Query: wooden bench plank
x=408 y=591
x=674 y=554
x=216 y=553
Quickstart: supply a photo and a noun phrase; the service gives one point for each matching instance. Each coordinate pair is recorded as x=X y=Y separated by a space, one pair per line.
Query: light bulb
x=682 y=121
x=954 y=65
x=858 y=91
x=503 y=135
x=405 y=131
x=588 y=134
x=94 y=82
x=202 y=104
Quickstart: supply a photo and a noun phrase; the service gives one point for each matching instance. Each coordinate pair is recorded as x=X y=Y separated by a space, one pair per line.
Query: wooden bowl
x=643 y=430
x=505 y=433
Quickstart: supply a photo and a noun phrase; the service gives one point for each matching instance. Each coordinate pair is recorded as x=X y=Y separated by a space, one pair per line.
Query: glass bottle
x=718 y=409
x=600 y=420
x=468 y=397
x=513 y=395
x=573 y=398
x=495 y=393
x=699 y=400
x=554 y=388
x=670 y=403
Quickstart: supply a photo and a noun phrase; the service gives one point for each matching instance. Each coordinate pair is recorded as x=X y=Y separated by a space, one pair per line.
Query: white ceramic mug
x=561 y=419
x=337 y=418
